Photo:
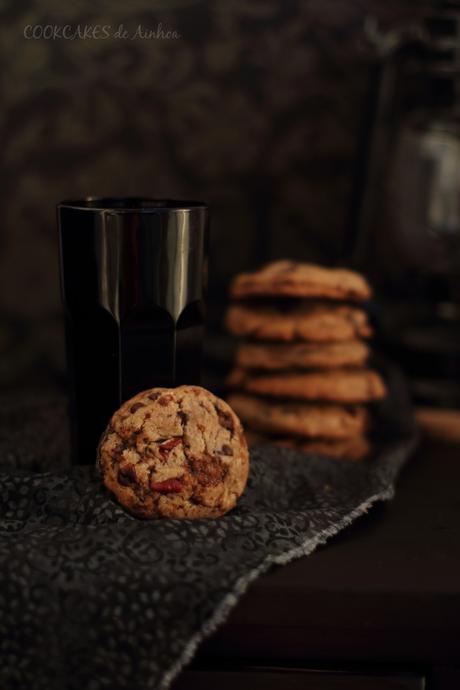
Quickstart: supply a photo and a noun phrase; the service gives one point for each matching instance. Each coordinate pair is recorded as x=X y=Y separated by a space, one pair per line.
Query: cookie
x=274 y=356
x=296 y=279
x=354 y=448
x=314 y=322
x=177 y=453
x=300 y=419
x=338 y=385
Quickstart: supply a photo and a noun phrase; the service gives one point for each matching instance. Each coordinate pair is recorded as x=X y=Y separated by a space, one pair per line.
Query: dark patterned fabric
x=92 y=598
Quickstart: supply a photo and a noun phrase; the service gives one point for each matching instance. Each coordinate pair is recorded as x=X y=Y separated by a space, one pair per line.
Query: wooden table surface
x=381 y=597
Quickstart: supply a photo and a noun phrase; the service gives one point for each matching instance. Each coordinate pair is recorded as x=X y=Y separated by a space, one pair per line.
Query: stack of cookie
x=301 y=375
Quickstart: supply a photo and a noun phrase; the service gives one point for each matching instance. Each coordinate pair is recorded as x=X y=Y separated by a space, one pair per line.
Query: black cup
x=133 y=274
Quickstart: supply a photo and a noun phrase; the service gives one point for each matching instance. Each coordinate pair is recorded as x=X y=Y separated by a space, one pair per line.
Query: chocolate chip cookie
x=354 y=448
x=274 y=356
x=339 y=385
x=300 y=418
x=296 y=279
x=178 y=453
x=311 y=322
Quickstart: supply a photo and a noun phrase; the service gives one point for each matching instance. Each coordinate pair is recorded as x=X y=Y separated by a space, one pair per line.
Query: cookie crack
x=183 y=416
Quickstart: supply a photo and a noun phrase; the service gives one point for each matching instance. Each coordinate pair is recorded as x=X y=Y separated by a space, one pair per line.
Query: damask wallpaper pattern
x=254 y=107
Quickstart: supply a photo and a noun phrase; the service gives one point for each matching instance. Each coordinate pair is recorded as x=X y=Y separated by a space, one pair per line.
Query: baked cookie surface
x=300 y=419
x=315 y=322
x=177 y=452
x=274 y=356
x=296 y=279
x=354 y=448
x=339 y=385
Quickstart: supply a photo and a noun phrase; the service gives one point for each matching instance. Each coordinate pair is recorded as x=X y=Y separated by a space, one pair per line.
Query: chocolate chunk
x=182 y=416
x=165 y=400
x=127 y=475
x=118 y=451
x=209 y=471
x=225 y=419
x=226 y=450
x=154 y=396
x=136 y=407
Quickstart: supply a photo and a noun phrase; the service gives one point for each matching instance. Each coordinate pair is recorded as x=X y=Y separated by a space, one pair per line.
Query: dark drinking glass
x=133 y=275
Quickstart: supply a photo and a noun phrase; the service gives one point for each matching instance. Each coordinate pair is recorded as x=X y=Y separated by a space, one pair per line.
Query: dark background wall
x=256 y=108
